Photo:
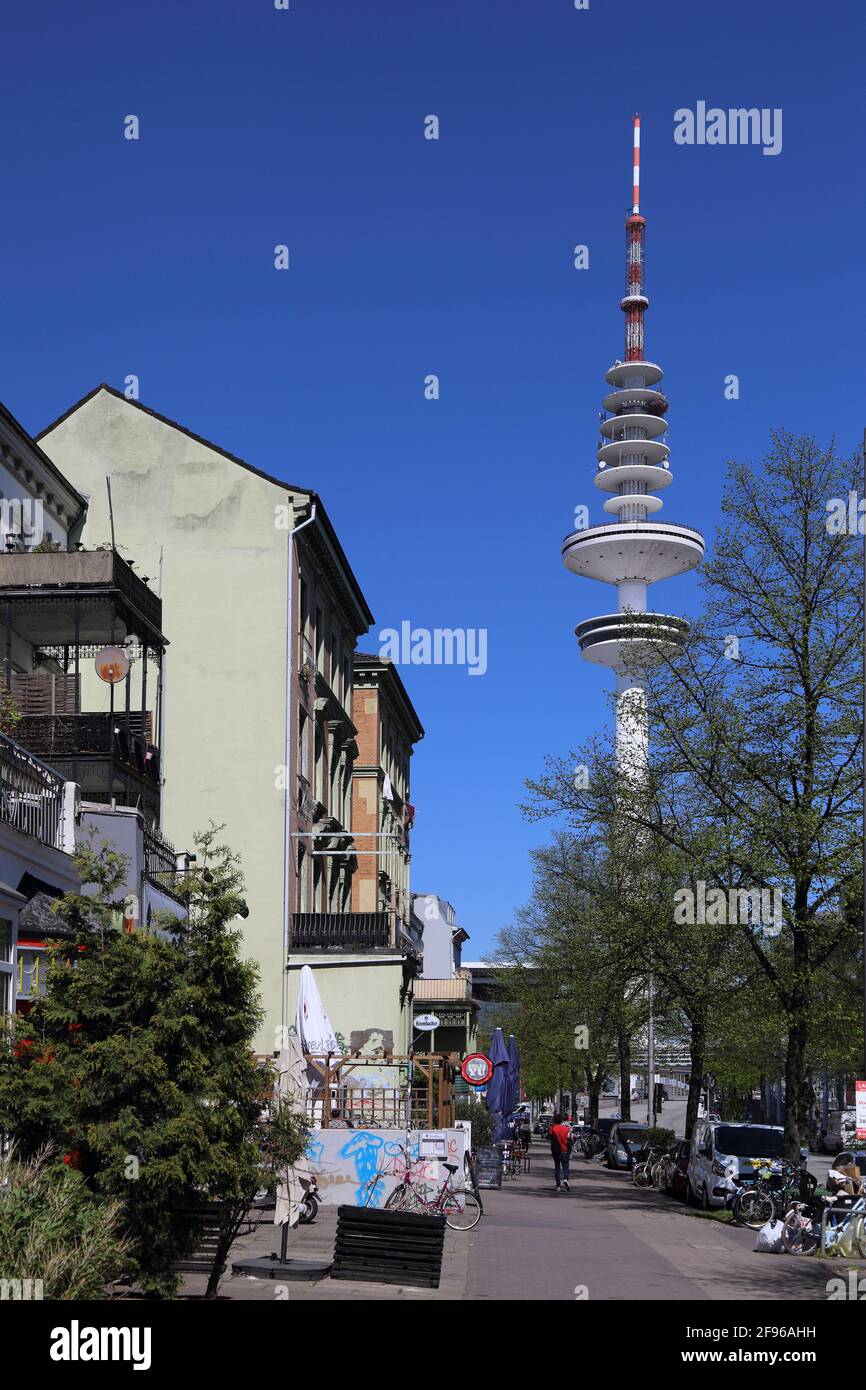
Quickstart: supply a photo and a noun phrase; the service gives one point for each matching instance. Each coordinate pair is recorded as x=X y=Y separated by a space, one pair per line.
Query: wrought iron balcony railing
x=31 y=794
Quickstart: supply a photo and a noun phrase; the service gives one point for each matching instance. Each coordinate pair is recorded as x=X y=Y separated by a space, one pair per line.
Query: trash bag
x=769 y=1238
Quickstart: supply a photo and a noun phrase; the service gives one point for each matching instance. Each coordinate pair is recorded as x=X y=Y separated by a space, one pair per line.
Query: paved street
x=537 y=1244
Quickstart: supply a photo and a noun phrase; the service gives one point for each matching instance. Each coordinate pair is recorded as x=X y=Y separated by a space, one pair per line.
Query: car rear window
x=749 y=1141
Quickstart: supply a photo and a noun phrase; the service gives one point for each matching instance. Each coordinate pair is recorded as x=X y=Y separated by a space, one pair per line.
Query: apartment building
x=66 y=733
x=264 y=613
x=388 y=729
x=445 y=987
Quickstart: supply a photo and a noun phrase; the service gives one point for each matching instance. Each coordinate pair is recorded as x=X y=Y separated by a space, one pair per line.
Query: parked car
x=626 y=1139
x=542 y=1124
x=675 y=1171
x=721 y=1154
x=841 y=1127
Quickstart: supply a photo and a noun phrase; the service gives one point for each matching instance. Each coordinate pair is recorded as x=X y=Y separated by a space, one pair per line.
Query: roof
x=29 y=442
x=322 y=518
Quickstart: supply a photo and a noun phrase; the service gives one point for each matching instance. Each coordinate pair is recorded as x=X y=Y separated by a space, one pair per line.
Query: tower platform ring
x=618 y=449
x=620 y=640
x=628 y=499
x=655 y=477
x=624 y=371
x=644 y=550
x=635 y=395
x=653 y=424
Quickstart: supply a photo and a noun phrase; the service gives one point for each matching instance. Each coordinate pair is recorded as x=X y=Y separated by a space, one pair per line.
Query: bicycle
x=758 y=1199
x=801 y=1231
x=460 y=1206
x=647 y=1172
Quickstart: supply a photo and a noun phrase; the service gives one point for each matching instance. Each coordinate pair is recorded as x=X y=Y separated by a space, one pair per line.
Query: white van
x=718 y=1149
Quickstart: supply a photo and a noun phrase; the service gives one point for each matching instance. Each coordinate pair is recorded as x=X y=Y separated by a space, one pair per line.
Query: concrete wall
x=123 y=828
x=440 y=961
x=345 y=1161
x=224 y=610
x=361 y=994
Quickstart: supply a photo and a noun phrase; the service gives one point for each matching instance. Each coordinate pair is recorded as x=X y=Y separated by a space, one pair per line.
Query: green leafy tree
x=137 y=1063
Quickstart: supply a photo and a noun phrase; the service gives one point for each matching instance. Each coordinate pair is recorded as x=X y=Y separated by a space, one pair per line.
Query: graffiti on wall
x=362 y=1167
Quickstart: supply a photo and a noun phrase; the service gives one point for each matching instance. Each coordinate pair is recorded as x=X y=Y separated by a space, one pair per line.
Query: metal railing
x=160 y=858
x=31 y=794
x=341 y=930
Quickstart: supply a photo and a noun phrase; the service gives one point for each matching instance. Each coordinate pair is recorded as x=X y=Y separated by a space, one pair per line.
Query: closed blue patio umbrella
x=498 y=1095
x=513 y=1073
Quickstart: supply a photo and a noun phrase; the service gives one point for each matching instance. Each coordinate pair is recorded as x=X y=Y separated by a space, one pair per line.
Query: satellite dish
x=112 y=665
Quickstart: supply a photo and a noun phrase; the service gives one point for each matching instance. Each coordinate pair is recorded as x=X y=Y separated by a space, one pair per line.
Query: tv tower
x=632 y=552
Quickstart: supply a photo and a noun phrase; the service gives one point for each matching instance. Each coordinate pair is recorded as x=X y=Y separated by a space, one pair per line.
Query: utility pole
x=651 y=1060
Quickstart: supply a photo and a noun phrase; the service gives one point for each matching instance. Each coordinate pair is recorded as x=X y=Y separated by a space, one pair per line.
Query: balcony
x=31 y=795
x=456 y=989
x=108 y=755
x=65 y=607
x=350 y=931
x=93 y=591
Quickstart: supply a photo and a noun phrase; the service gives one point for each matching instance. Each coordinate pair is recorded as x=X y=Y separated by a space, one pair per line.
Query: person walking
x=560 y=1148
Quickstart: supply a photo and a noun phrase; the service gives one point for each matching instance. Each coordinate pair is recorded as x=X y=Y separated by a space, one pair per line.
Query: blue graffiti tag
x=364 y=1148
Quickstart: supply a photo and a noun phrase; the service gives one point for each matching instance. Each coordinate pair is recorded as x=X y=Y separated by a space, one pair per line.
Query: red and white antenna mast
x=634 y=303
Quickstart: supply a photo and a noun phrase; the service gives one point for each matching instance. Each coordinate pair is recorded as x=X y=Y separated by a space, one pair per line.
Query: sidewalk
x=603 y=1240
x=316 y=1242
x=611 y=1241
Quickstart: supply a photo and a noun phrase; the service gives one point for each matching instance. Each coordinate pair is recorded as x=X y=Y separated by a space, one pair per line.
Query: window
x=320 y=766
x=320 y=638
x=303 y=609
x=303 y=744
x=302 y=879
x=6 y=995
x=317 y=885
x=31 y=973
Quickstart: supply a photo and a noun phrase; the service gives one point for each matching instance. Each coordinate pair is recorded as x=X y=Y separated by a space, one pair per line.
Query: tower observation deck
x=636 y=548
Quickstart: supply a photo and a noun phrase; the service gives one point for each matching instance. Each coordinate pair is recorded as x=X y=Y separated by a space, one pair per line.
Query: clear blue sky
x=453 y=257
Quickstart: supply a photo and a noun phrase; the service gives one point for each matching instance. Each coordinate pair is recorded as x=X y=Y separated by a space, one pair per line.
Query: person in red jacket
x=560 y=1148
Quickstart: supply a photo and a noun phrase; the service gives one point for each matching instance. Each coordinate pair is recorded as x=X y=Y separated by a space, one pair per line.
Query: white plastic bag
x=769 y=1238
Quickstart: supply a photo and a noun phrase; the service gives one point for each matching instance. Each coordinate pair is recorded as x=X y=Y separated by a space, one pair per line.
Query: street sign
x=860 y=1112
x=476 y=1069
x=426 y=1022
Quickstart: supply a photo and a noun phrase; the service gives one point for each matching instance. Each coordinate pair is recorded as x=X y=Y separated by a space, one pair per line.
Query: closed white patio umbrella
x=290 y=1088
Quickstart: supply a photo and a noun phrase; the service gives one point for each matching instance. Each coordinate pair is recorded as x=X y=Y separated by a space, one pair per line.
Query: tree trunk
x=624 y=1044
x=697 y=1047
x=594 y=1084
x=795 y=1073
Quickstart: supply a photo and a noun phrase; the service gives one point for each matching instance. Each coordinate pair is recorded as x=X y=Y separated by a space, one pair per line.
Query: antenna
x=634 y=303
x=110 y=510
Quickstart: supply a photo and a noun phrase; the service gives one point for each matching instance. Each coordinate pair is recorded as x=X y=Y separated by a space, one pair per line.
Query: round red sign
x=477 y=1069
